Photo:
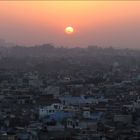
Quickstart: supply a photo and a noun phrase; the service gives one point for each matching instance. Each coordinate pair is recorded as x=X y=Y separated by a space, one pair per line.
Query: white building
x=77 y=100
x=34 y=80
x=123 y=118
x=86 y=113
x=51 y=109
x=54 y=90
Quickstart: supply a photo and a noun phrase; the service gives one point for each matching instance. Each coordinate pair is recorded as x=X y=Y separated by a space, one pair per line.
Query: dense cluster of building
x=99 y=105
x=32 y=109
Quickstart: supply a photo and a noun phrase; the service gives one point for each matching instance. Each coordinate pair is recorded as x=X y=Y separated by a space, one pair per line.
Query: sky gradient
x=103 y=23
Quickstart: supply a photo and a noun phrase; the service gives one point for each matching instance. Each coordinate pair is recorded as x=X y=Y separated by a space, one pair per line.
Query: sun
x=69 y=30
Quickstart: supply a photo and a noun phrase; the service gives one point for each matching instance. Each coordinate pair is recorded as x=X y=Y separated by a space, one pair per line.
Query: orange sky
x=104 y=23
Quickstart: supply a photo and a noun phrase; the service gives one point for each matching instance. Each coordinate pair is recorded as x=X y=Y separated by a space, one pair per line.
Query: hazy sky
x=105 y=23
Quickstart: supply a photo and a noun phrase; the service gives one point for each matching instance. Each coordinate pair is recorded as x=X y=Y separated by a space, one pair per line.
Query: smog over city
x=69 y=70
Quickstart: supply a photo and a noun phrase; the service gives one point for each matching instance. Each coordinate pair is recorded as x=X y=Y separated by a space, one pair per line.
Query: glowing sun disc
x=69 y=30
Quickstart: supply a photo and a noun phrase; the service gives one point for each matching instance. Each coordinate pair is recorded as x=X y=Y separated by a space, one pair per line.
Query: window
x=56 y=106
x=76 y=124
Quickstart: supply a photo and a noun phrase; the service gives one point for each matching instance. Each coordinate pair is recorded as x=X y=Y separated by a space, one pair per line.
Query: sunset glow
x=96 y=22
